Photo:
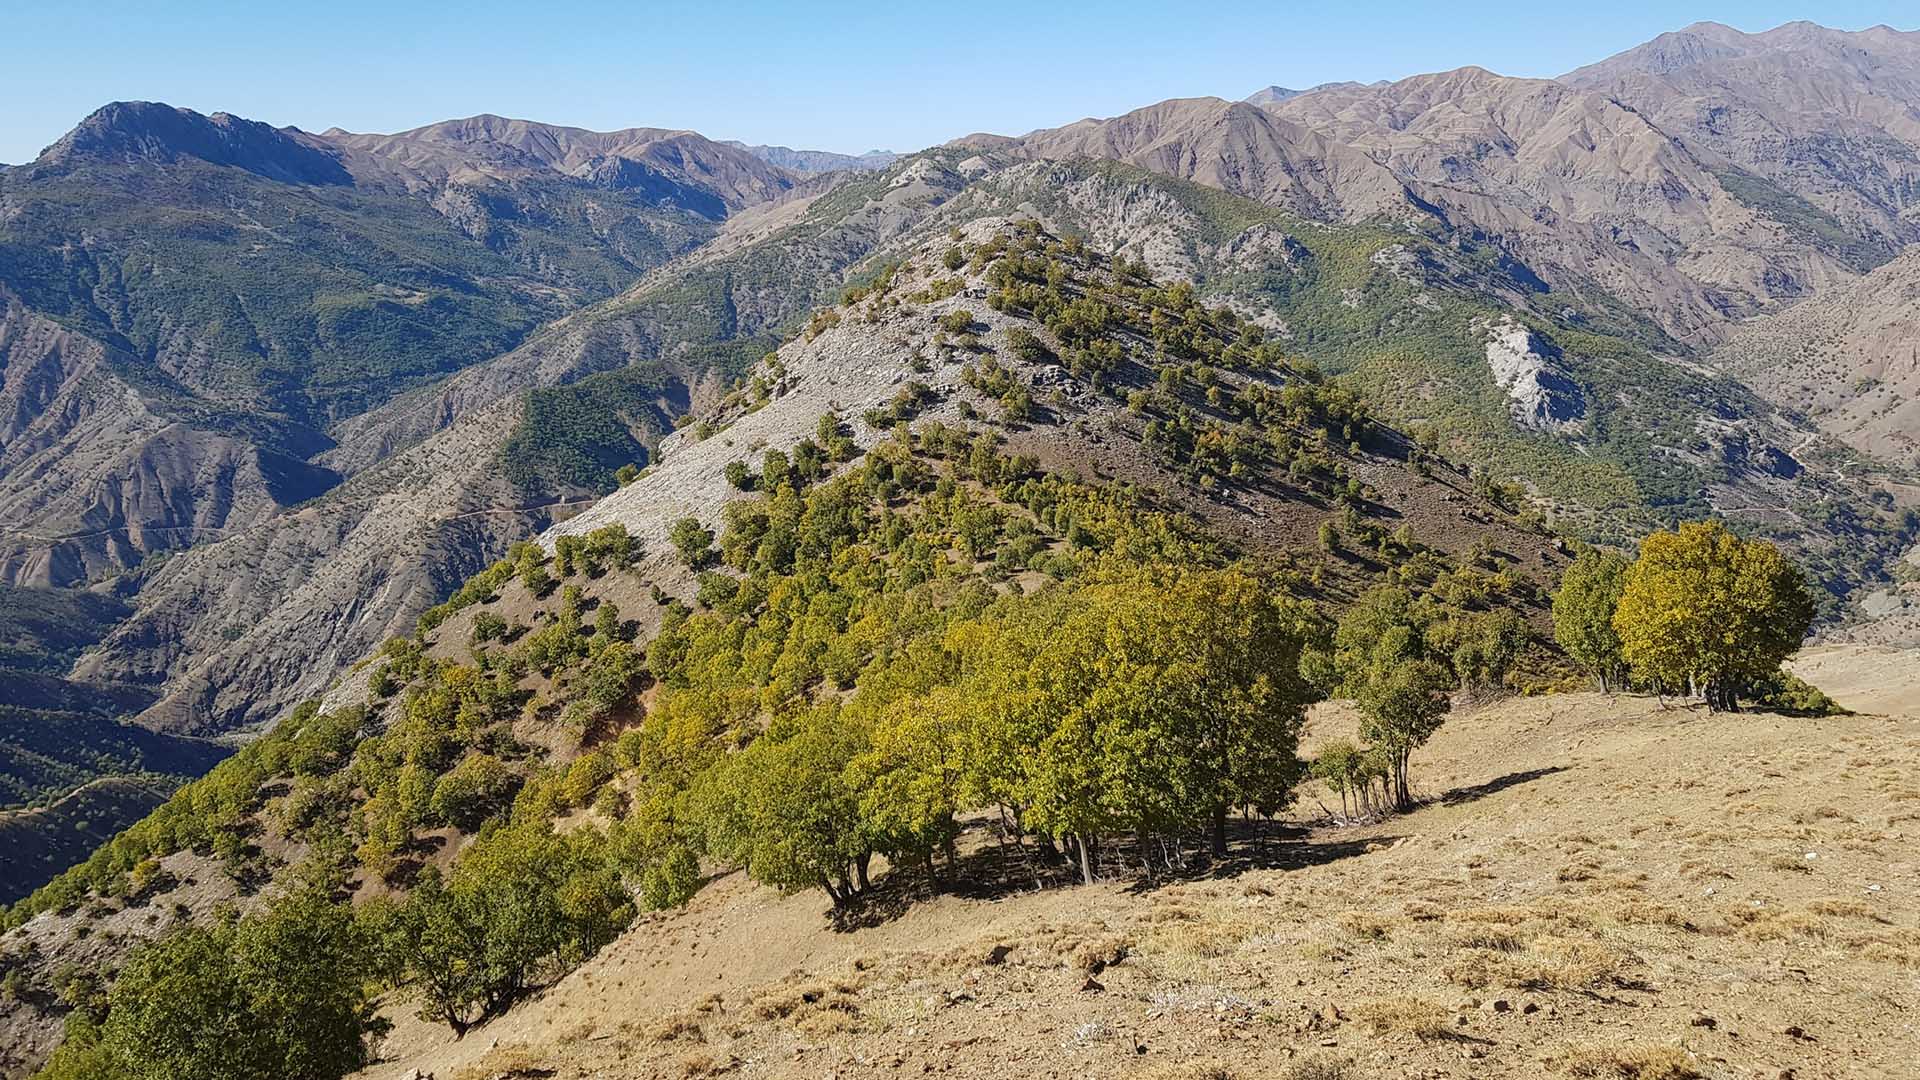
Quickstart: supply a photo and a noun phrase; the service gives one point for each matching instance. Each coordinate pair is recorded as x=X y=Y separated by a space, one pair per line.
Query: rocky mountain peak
x=131 y=132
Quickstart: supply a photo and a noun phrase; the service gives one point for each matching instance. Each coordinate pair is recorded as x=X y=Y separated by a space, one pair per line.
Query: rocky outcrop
x=1528 y=367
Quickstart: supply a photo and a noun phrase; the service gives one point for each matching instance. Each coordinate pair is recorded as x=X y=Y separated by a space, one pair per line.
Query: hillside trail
x=1595 y=887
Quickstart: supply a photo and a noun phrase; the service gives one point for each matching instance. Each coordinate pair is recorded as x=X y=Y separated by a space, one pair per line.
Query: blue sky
x=846 y=77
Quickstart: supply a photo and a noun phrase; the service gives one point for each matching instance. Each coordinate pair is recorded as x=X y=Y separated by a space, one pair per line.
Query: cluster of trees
x=1282 y=412
x=281 y=993
x=1144 y=702
x=288 y=990
x=1700 y=611
x=520 y=907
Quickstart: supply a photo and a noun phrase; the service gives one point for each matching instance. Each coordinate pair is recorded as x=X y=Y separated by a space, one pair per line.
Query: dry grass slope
x=1597 y=888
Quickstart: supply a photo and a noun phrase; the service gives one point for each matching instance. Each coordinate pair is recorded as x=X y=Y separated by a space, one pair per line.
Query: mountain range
x=272 y=394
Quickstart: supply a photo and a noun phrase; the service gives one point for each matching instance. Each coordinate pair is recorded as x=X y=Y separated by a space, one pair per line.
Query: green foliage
x=693 y=541
x=521 y=901
x=582 y=434
x=1583 y=615
x=531 y=566
x=1704 y=608
x=1400 y=683
x=1785 y=692
x=276 y=994
x=327 y=299
x=473 y=791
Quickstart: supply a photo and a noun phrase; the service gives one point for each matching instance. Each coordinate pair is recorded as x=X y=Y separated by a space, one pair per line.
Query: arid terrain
x=1595 y=887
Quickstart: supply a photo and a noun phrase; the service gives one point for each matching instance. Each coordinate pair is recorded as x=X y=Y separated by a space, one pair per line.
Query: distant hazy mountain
x=1819 y=129
x=662 y=161
x=817 y=161
x=1271 y=95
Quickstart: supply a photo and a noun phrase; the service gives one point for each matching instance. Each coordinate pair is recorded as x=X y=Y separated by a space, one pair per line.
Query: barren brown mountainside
x=1848 y=357
x=1587 y=187
x=1829 y=116
x=1233 y=146
x=485 y=148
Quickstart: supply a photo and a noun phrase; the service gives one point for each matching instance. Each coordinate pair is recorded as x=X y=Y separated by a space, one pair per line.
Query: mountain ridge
x=1616 y=229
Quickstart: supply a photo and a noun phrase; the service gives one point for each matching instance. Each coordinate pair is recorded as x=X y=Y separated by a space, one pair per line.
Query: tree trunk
x=860 y=870
x=1086 y=860
x=1220 y=832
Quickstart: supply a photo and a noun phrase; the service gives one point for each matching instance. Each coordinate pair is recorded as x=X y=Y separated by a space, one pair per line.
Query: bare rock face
x=1528 y=368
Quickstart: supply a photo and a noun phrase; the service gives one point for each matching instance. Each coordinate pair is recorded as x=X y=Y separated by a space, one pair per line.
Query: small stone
x=1702 y=1020
x=1498 y=1005
x=998 y=954
x=1092 y=985
x=1530 y=1008
x=1329 y=1041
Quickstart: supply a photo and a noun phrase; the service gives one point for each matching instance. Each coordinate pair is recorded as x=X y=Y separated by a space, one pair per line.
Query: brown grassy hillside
x=1597 y=887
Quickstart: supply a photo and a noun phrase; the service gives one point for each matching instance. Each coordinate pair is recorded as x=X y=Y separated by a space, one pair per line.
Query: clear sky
x=894 y=75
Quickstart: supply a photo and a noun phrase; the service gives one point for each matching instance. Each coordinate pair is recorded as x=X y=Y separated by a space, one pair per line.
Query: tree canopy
x=1702 y=607
x=1583 y=615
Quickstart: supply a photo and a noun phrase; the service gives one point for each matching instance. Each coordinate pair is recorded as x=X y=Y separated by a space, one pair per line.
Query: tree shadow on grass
x=999 y=868
x=1498 y=784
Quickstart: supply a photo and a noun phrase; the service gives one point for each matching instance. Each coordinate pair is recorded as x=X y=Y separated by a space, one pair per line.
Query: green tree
x=1704 y=609
x=469 y=794
x=783 y=807
x=278 y=994
x=532 y=569
x=693 y=541
x=1386 y=666
x=1583 y=615
x=520 y=903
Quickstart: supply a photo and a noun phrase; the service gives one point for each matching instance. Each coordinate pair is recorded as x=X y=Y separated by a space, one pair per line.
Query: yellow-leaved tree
x=1705 y=609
